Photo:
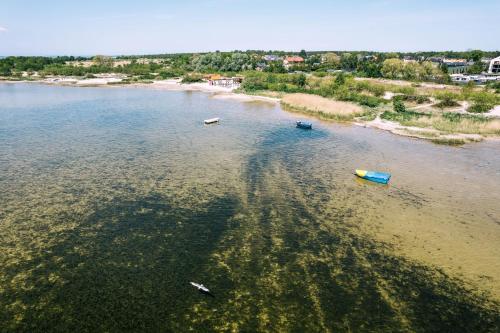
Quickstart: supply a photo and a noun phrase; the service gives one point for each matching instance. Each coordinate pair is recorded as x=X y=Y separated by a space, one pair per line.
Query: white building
x=478 y=79
x=494 y=66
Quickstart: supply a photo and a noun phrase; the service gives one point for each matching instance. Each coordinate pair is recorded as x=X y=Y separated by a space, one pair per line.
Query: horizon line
x=229 y=51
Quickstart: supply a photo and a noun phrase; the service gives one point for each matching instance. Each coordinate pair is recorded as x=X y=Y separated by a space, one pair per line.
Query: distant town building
x=478 y=78
x=455 y=62
x=409 y=59
x=289 y=61
x=370 y=57
x=145 y=61
x=271 y=57
x=261 y=66
x=437 y=60
x=88 y=63
x=221 y=81
x=494 y=67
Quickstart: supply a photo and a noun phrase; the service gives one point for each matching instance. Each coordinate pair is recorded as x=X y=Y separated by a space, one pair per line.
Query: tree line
x=391 y=65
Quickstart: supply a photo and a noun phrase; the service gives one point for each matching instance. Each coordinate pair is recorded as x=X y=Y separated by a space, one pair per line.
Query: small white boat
x=200 y=287
x=212 y=121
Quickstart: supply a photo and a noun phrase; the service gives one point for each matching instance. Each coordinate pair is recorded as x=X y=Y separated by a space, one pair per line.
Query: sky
x=115 y=27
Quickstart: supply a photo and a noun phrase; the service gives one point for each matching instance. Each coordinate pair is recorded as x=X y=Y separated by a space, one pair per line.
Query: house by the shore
x=455 y=62
x=476 y=78
x=222 y=81
x=494 y=67
x=271 y=57
x=290 y=61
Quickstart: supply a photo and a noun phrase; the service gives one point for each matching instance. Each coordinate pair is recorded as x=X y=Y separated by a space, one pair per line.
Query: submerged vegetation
x=113 y=215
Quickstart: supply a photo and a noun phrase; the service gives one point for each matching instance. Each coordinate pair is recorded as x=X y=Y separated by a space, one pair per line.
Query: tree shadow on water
x=124 y=269
x=331 y=277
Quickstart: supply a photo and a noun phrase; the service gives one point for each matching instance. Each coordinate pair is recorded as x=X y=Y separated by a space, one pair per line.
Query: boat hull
x=303 y=125
x=212 y=121
x=374 y=176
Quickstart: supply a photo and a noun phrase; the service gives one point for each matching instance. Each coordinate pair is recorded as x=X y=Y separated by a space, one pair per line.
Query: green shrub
x=447 y=99
x=419 y=99
x=483 y=97
x=455 y=117
x=377 y=90
x=340 y=79
x=494 y=85
x=480 y=108
x=147 y=77
x=404 y=90
x=482 y=102
x=170 y=73
x=320 y=74
x=398 y=105
x=192 y=78
x=370 y=101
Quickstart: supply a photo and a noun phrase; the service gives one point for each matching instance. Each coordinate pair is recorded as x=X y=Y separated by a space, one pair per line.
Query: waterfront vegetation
x=447 y=122
x=340 y=87
x=438 y=117
x=357 y=79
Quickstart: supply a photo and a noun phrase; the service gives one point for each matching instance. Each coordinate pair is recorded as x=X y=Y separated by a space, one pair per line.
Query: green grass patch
x=192 y=78
x=480 y=108
x=402 y=117
x=449 y=141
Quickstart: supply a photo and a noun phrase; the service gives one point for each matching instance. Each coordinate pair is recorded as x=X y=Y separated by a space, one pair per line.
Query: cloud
x=2 y=29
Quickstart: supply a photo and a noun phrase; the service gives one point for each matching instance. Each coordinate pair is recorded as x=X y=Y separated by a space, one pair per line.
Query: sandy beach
x=217 y=92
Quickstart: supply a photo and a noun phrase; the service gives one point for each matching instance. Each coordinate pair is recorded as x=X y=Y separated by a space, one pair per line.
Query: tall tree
x=476 y=55
x=392 y=68
x=104 y=61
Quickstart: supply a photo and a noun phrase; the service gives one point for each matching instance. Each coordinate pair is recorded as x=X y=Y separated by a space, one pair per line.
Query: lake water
x=113 y=199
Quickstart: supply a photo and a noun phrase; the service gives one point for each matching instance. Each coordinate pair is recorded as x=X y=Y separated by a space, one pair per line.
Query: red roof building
x=294 y=60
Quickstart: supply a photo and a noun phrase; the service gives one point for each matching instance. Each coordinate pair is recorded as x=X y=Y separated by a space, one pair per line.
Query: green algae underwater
x=114 y=199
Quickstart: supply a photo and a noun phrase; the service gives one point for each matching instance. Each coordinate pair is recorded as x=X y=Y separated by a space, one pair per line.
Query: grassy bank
x=321 y=107
x=446 y=122
x=452 y=115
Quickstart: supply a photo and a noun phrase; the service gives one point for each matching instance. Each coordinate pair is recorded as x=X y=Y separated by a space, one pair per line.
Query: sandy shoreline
x=167 y=85
x=420 y=133
x=218 y=92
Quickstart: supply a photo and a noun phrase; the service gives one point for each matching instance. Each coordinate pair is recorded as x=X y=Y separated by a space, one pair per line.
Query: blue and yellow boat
x=374 y=176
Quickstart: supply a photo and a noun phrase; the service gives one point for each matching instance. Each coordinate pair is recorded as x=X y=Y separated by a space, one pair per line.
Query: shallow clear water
x=113 y=199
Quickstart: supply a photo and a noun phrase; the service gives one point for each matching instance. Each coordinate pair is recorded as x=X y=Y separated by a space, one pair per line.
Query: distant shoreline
x=311 y=108
x=167 y=85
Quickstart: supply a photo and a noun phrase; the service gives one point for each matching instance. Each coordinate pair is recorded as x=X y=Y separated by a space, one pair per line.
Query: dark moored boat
x=304 y=125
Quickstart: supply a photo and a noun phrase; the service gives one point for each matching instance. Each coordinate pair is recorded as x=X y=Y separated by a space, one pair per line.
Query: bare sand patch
x=495 y=112
x=245 y=98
